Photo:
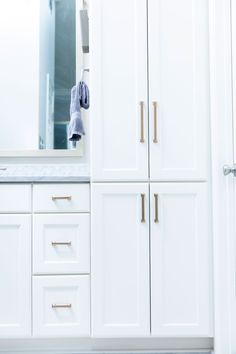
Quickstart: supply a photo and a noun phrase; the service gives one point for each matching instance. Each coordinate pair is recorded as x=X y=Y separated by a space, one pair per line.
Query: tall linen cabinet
x=151 y=212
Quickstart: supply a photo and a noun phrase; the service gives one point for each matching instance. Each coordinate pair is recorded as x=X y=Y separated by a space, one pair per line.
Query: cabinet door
x=180 y=260
x=179 y=89
x=15 y=275
x=118 y=86
x=120 y=260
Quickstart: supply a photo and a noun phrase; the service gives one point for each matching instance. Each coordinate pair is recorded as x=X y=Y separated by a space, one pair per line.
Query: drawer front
x=61 y=306
x=61 y=198
x=61 y=243
x=15 y=198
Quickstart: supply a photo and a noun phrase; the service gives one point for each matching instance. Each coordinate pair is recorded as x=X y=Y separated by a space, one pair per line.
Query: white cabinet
x=178 y=88
x=61 y=260
x=175 y=93
x=61 y=306
x=61 y=249
x=61 y=198
x=119 y=89
x=120 y=260
x=15 y=198
x=180 y=260
x=15 y=275
x=61 y=244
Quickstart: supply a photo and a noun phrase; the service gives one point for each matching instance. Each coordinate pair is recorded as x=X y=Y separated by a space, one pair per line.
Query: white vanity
x=125 y=239
x=45 y=260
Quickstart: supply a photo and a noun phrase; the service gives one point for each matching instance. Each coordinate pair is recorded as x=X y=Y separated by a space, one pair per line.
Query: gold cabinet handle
x=55 y=243
x=61 y=306
x=155 y=122
x=142 y=121
x=156 y=218
x=68 y=197
x=143 y=207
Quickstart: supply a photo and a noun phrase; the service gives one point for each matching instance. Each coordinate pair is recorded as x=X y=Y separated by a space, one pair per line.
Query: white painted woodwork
x=15 y=275
x=233 y=73
x=78 y=194
x=15 y=198
x=61 y=243
x=120 y=261
x=73 y=321
x=224 y=193
x=118 y=85
x=180 y=261
x=179 y=82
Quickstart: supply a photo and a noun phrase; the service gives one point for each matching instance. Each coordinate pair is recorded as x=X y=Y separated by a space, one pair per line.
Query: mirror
x=43 y=51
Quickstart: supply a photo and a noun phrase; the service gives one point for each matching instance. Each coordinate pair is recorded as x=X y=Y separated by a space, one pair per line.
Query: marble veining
x=44 y=173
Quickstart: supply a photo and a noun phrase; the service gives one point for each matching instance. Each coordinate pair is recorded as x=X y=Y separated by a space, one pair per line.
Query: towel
x=84 y=95
x=79 y=98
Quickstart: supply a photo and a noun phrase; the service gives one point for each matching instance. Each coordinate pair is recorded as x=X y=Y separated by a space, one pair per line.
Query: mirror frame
x=78 y=152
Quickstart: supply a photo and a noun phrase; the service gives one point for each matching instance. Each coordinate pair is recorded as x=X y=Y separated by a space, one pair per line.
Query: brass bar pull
x=155 y=122
x=156 y=219
x=142 y=121
x=62 y=198
x=61 y=243
x=61 y=306
x=143 y=207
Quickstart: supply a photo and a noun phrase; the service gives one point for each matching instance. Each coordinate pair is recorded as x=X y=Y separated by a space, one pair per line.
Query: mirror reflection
x=44 y=47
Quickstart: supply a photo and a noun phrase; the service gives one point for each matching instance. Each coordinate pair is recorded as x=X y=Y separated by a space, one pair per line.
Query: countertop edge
x=44 y=179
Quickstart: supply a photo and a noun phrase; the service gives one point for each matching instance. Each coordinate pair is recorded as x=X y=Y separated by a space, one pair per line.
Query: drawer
x=15 y=198
x=61 y=306
x=61 y=198
x=61 y=243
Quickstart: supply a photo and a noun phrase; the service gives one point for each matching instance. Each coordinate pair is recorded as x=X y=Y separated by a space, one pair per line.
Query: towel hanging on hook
x=79 y=98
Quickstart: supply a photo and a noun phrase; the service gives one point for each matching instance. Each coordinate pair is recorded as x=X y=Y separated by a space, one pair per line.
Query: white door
x=15 y=275
x=180 y=260
x=119 y=90
x=120 y=260
x=179 y=89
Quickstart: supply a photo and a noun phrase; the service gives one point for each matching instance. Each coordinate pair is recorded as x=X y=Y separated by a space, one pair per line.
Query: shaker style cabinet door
x=15 y=276
x=180 y=260
x=120 y=260
x=178 y=88
x=119 y=119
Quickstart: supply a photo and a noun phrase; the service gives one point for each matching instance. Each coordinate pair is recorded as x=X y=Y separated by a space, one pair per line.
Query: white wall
x=19 y=67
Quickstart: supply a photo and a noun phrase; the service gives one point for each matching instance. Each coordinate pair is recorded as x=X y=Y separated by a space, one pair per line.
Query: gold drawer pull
x=155 y=122
x=143 y=207
x=142 y=122
x=61 y=306
x=69 y=197
x=61 y=243
x=156 y=219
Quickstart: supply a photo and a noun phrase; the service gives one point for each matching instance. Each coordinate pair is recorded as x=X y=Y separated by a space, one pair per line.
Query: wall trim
x=222 y=187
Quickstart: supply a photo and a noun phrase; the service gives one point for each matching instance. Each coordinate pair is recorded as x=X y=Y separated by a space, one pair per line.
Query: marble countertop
x=29 y=173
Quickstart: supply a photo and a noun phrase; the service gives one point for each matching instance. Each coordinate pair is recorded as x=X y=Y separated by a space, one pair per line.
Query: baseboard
x=102 y=346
